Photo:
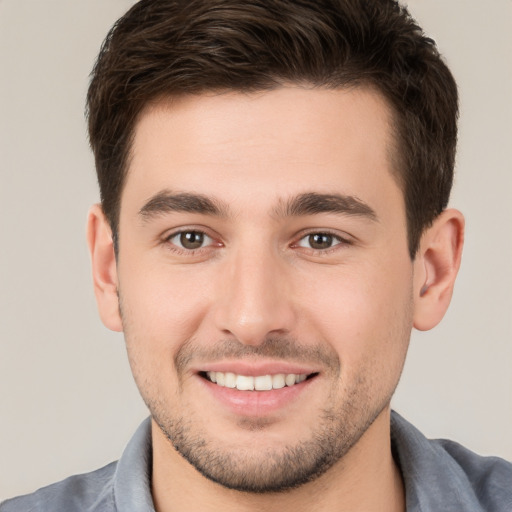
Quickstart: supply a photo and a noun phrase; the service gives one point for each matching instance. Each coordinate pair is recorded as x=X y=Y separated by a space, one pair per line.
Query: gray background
x=67 y=401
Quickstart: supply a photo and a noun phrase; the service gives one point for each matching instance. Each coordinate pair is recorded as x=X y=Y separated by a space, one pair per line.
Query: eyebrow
x=166 y=202
x=311 y=203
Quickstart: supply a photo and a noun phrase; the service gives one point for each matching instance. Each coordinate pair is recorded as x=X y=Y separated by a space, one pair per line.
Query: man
x=274 y=179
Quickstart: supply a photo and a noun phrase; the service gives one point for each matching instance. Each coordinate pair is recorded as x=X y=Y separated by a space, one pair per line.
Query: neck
x=365 y=480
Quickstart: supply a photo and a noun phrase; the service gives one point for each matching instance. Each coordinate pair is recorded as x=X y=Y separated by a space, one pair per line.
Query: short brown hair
x=174 y=47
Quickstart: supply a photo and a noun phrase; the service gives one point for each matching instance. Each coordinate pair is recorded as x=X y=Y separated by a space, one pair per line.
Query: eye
x=190 y=240
x=320 y=241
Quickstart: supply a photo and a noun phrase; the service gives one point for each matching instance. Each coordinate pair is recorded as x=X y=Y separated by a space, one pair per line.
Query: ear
x=435 y=268
x=104 y=268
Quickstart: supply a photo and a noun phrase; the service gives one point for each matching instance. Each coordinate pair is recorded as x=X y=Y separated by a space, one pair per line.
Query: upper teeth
x=258 y=383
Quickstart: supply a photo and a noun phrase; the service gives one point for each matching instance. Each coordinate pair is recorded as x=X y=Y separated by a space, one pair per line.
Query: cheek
x=161 y=309
x=364 y=313
x=159 y=292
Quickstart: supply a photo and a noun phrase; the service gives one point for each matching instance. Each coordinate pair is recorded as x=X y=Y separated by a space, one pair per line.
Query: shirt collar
x=132 y=481
x=433 y=479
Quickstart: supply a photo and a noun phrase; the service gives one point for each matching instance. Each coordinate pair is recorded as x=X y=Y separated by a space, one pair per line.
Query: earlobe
x=104 y=268
x=435 y=268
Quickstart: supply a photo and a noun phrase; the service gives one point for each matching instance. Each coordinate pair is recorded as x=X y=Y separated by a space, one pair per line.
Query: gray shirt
x=439 y=476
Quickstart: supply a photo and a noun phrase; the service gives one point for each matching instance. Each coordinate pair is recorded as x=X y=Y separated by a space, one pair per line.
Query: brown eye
x=190 y=240
x=320 y=241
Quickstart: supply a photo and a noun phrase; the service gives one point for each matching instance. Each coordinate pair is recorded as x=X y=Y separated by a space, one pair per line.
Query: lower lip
x=257 y=403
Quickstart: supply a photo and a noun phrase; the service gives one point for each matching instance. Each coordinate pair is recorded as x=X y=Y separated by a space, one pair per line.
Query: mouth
x=267 y=382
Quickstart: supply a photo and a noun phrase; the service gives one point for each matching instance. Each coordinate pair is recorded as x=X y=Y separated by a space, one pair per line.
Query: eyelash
x=189 y=252
x=340 y=241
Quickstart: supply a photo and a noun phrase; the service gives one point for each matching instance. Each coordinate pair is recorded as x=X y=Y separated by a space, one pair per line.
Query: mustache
x=273 y=347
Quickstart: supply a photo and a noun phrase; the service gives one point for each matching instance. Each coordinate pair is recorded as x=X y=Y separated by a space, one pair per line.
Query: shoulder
x=490 y=477
x=116 y=486
x=90 y=491
x=444 y=475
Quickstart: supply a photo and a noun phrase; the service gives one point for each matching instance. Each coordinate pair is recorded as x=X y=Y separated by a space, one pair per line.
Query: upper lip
x=253 y=369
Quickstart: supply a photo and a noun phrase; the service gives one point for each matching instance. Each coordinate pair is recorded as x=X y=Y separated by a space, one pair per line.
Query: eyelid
x=169 y=235
x=342 y=239
x=179 y=233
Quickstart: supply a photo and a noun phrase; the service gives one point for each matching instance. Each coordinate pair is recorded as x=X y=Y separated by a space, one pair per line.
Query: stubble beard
x=254 y=470
x=353 y=409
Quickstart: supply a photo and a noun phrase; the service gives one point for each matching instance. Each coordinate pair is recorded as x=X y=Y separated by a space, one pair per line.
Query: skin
x=260 y=294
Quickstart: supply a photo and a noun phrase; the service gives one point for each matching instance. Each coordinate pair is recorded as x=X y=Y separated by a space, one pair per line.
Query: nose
x=255 y=298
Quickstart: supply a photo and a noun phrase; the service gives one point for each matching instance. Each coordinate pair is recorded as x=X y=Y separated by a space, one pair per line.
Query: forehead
x=263 y=145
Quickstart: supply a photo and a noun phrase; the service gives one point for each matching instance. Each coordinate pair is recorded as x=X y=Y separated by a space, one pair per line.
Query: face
x=264 y=279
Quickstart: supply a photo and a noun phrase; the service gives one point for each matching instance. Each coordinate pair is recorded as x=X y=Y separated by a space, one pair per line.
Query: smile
x=255 y=383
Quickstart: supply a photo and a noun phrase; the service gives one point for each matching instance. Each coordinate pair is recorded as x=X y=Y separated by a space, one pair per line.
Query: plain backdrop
x=67 y=400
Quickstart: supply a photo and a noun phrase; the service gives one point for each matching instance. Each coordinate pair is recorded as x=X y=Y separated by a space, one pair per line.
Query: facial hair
x=339 y=425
